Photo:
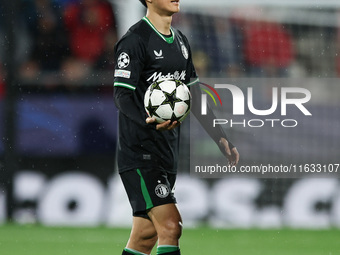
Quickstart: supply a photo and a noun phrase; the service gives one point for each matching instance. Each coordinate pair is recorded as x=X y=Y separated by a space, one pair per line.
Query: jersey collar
x=167 y=39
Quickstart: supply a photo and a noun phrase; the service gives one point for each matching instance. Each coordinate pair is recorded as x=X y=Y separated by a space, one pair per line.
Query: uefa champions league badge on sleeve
x=123 y=60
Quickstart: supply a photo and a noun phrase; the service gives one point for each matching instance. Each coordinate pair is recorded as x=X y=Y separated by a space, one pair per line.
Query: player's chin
x=173 y=11
x=175 y=7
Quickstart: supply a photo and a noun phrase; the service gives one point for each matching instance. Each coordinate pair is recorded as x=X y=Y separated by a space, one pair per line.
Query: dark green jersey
x=144 y=56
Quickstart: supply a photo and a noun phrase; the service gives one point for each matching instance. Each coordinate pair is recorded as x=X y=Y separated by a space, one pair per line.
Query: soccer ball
x=167 y=100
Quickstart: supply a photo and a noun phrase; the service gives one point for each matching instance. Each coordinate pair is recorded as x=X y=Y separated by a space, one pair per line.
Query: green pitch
x=38 y=240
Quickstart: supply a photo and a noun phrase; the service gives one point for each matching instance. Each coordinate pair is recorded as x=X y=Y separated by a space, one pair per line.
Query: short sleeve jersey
x=143 y=56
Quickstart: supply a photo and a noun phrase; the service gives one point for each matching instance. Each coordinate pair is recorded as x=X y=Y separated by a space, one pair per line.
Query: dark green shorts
x=147 y=188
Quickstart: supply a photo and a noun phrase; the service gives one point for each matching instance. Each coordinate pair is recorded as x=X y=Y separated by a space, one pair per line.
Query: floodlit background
x=59 y=122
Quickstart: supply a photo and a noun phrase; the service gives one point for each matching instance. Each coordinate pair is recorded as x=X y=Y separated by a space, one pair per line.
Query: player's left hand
x=231 y=154
x=167 y=125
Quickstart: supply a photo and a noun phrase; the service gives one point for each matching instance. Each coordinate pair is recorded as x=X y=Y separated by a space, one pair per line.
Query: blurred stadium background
x=58 y=121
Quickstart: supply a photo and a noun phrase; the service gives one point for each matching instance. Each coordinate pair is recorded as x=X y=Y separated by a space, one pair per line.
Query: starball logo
x=295 y=96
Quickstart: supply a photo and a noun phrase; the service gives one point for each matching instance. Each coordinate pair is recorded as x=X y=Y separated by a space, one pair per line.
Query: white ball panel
x=157 y=97
x=180 y=108
x=183 y=93
x=164 y=111
x=168 y=86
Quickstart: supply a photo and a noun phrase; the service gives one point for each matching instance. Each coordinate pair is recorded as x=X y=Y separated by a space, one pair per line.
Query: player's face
x=166 y=6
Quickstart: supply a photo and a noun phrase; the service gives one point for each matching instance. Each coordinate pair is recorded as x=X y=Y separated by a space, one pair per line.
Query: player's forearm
x=216 y=133
x=125 y=103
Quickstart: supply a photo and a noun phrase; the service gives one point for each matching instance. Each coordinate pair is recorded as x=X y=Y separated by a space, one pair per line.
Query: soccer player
x=147 y=152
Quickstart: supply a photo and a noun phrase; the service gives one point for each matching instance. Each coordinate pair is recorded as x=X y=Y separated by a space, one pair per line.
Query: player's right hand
x=167 y=125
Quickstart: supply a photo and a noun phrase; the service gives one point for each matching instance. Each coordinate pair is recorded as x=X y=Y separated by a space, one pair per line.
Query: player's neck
x=161 y=23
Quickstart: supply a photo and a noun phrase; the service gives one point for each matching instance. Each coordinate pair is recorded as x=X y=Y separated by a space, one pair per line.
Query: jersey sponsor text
x=159 y=76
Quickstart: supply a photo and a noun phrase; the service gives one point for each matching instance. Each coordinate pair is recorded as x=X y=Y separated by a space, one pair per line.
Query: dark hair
x=143 y=2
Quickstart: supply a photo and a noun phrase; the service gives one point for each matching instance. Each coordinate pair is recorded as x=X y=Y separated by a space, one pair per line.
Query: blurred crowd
x=73 y=39
x=70 y=37
x=246 y=43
